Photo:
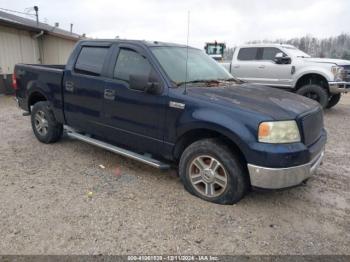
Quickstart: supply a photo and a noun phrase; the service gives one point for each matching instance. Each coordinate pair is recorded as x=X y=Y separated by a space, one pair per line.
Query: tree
x=346 y=55
x=332 y=47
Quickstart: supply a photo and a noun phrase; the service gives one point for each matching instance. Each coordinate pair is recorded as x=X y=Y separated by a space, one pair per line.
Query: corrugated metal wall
x=16 y=46
x=19 y=46
x=56 y=50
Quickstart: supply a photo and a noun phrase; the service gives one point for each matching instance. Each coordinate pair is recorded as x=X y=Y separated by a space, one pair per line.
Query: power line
x=13 y=11
x=29 y=9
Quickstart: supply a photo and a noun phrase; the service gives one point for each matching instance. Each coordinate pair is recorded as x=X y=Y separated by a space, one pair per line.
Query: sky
x=231 y=21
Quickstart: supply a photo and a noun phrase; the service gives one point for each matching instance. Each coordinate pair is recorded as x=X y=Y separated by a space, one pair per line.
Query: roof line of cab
x=140 y=42
x=265 y=45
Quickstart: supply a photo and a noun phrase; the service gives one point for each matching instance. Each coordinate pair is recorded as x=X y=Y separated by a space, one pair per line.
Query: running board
x=123 y=152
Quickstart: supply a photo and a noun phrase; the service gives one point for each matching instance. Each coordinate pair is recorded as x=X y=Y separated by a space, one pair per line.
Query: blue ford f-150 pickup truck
x=166 y=104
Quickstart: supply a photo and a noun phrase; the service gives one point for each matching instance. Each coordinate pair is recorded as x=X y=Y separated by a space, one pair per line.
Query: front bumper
x=339 y=87
x=276 y=178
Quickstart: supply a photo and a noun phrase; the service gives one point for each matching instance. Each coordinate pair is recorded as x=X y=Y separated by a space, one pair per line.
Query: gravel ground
x=45 y=207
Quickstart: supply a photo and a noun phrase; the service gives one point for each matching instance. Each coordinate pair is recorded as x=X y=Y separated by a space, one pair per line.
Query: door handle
x=69 y=86
x=109 y=94
x=236 y=66
x=262 y=67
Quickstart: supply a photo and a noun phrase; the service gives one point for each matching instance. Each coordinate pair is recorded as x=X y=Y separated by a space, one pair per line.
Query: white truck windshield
x=296 y=52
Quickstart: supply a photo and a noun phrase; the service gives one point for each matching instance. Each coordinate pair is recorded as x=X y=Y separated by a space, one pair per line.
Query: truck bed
x=61 y=67
x=47 y=78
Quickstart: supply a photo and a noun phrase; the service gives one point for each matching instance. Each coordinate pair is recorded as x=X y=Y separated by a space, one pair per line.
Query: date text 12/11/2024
x=173 y=258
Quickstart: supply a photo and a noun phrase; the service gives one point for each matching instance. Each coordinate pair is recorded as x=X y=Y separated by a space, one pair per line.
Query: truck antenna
x=188 y=35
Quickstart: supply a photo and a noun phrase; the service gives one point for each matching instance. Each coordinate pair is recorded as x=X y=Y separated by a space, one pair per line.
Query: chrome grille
x=347 y=73
x=312 y=125
x=347 y=77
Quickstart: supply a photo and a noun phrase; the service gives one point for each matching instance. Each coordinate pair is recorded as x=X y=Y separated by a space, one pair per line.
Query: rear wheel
x=44 y=124
x=209 y=170
x=334 y=99
x=315 y=92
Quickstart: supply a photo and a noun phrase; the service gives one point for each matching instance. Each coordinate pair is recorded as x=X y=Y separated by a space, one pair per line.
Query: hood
x=327 y=60
x=263 y=100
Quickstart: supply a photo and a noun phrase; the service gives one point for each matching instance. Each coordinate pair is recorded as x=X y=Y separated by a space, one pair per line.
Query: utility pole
x=36 y=9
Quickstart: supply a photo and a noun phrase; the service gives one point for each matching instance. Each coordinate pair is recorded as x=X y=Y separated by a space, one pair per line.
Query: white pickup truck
x=285 y=66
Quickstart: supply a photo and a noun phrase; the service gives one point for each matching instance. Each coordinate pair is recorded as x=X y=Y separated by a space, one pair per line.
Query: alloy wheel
x=208 y=176
x=41 y=123
x=313 y=96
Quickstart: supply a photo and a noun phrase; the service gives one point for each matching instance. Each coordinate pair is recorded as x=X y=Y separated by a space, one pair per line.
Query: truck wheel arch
x=194 y=135
x=34 y=97
x=312 y=78
x=36 y=92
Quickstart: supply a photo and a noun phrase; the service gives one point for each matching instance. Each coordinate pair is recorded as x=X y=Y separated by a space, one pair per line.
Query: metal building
x=24 y=40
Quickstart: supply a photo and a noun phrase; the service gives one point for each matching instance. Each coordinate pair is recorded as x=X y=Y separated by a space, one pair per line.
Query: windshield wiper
x=211 y=81
x=207 y=81
x=238 y=81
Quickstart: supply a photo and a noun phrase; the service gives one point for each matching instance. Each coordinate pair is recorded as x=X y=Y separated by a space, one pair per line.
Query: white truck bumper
x=338 y=87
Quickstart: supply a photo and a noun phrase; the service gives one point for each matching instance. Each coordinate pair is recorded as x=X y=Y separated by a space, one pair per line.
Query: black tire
x=54 y=130
x=237 y=182
x=333 y=100
x=315 y=92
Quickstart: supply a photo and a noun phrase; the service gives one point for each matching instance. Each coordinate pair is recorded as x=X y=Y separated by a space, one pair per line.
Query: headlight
x=279 y=132
x=338 y=72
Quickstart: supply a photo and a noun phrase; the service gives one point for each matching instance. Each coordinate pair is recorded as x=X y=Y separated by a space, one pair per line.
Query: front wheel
x=333 y=100
x=209 y=170
x=315 y=92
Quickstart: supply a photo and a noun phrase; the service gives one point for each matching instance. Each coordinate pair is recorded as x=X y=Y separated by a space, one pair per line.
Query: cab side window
x=90 y=60
x=269 y=53
x=129 y=63
x=248 y=54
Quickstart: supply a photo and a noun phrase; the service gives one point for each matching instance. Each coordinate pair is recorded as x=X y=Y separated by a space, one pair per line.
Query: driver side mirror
x=281 y=59
x=143 y=83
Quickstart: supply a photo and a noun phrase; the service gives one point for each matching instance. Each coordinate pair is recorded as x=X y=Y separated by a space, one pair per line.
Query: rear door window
x=129 y=62
x=91 y=59
x=248 y=54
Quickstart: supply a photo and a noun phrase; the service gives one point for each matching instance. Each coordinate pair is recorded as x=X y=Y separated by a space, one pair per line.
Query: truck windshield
x=296 y=52
x=200 y=67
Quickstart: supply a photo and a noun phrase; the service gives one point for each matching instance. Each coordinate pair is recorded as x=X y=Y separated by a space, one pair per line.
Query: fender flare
x=222 y=124
x=312 y=71
x=33 y=87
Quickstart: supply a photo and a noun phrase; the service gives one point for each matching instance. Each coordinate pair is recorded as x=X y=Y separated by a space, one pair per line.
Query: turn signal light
x=264 y=130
